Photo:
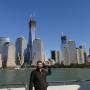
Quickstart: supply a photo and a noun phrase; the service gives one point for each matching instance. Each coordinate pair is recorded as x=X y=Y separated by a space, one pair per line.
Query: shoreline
x=34 y=68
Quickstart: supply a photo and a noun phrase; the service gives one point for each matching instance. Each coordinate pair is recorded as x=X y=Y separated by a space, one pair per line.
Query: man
x=38 y=77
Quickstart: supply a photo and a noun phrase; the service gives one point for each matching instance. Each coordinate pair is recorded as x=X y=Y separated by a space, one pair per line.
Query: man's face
x=39 y=65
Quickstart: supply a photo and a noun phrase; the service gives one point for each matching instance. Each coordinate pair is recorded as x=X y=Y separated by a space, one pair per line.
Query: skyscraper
x=20 y=50
x=80 y=55
x=55 y=55
x=0 y=60
x=68 y=48
x=4 y=40
x=64 y=42
x=89 y=51
x=32 y=36
x=11 y=55
x=8 y=55
x=88 y=60
x=66 y=55
x=72 y=52
x=37 y=51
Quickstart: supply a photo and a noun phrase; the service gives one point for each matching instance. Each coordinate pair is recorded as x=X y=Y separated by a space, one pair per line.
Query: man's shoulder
x=33 y=71
x=44 y=70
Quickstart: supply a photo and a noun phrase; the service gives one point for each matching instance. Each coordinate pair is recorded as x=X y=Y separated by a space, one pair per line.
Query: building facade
x=32 y=36
x=8 y=55
x=55 y=55
x=20 y=50
x=37 y=51
x=80 y=55
x=0 y=60
x=72 y=52
x=64 y=43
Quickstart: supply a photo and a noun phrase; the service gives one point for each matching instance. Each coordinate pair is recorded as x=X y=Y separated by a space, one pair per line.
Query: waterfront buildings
x=34 y=50
x=11 y=55
x=72 y=52
x=0 y=60
x=20 y=50
x=55 y=55
x=8 y=55
x=4 y=40
x=80 y=55
x=32 y=36
x=88 y=60
x=37 y=51
x=64 y=42
x=66 y=60
x=68 y=48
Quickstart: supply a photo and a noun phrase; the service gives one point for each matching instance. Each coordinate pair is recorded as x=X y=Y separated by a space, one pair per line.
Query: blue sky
x=53 y=17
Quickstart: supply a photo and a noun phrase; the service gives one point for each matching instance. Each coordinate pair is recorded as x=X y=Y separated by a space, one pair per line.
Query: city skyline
x=53 y=18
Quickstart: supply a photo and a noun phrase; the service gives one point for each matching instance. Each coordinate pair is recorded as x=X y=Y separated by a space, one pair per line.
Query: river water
x=22 y=76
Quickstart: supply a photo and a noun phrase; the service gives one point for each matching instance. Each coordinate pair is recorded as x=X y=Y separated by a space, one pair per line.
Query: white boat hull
x=64 y=87
x=61 y=87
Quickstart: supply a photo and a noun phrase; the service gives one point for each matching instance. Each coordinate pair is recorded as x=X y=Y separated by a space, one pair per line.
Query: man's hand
x=49 y=64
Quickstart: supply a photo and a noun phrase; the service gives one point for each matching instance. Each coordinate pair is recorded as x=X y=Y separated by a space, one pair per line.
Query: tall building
x=80 y=55
x=58 y=57
x=66 y=55
x=4 y=40
x=72 y=52
x=88 y=60
x=20 y=50
x=32 y=36
x=55 y=55
x=85 y=57
x=8 y=55
x=64 y=42
x=89 y=51
x=37 y=51
x=68 y=48
x=0 y=60
x=11 y=55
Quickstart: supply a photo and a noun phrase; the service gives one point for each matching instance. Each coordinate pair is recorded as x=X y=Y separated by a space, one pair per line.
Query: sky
x=72 y=17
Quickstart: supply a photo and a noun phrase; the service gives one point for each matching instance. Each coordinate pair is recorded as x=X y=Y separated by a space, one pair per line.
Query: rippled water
x=22 y=76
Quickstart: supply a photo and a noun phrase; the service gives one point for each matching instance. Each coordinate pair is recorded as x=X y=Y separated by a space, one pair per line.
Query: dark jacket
x=38 y=79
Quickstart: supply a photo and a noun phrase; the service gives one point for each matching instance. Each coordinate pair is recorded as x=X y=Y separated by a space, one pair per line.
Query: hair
x=39 y=62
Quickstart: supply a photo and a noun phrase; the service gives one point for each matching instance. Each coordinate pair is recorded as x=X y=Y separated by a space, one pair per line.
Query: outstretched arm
x=31 y=81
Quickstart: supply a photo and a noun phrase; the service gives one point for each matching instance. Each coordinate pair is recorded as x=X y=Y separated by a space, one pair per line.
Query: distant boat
x=17 y=67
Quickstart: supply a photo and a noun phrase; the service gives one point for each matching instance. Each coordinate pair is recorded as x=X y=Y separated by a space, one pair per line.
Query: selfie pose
x=38 y=77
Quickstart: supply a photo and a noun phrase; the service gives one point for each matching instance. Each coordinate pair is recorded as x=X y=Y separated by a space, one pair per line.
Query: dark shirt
x=38 y=79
